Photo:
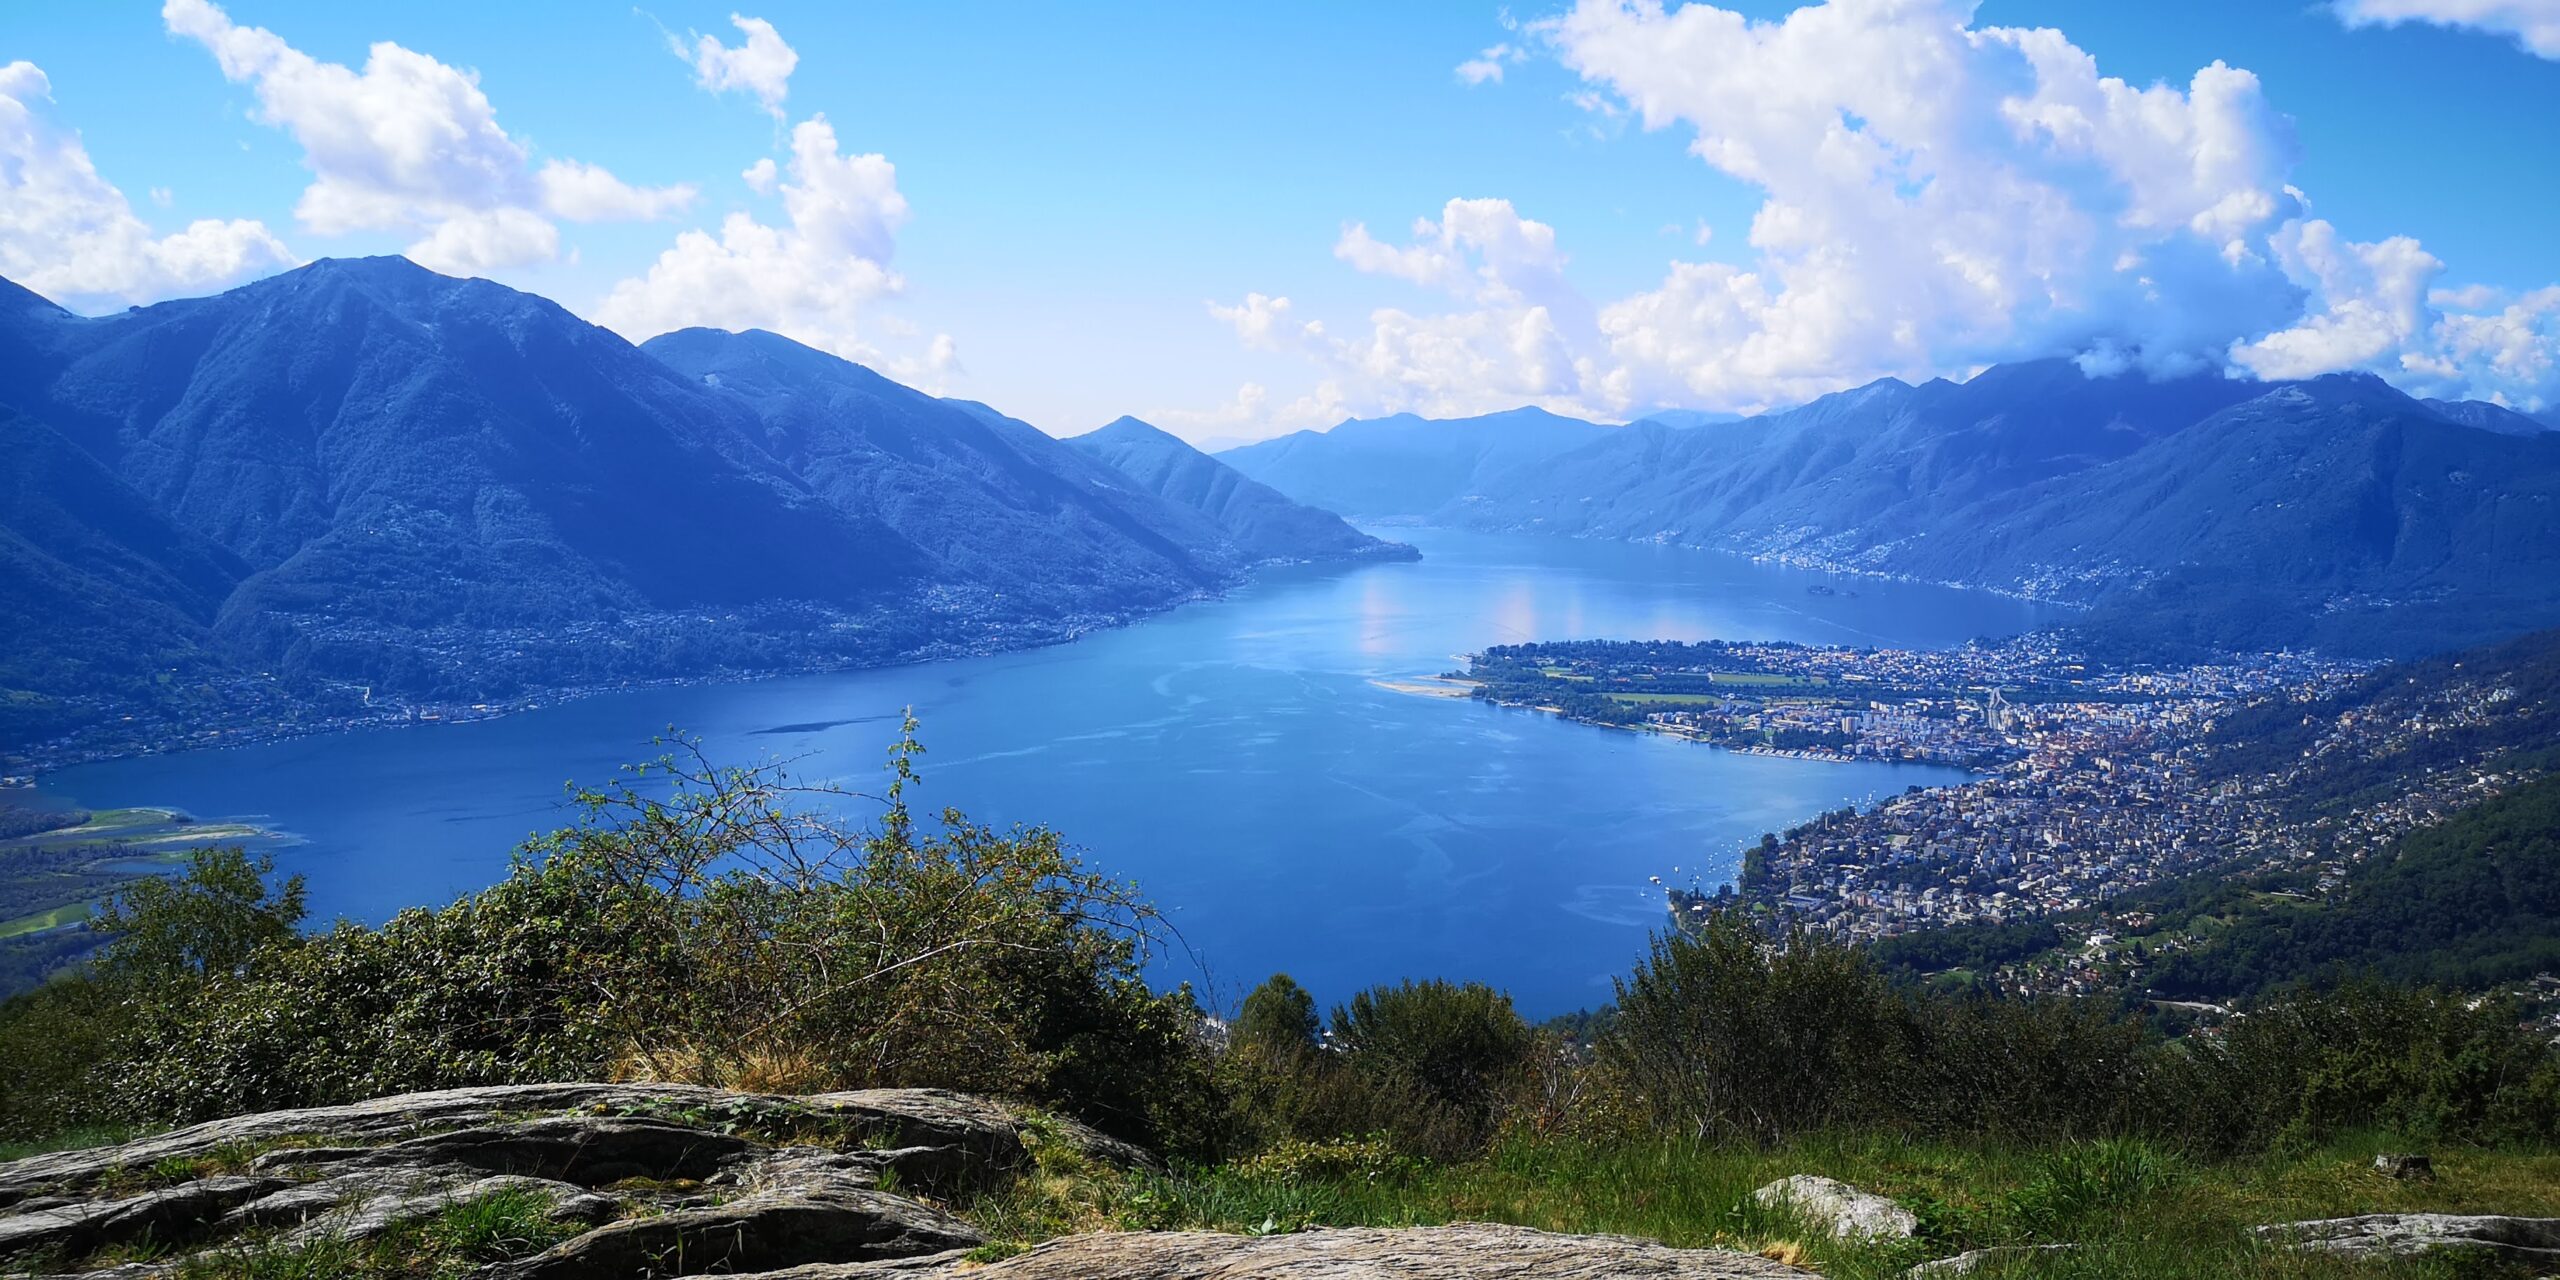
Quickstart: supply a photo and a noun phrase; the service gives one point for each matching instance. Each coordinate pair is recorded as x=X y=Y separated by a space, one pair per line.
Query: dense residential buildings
x=2094 y=780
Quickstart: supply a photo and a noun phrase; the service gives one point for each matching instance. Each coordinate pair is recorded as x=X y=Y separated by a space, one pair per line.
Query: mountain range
x=1406 y=465
x=363 y=475
x=2185 y=512
x=1253 y=513
x=360 y=478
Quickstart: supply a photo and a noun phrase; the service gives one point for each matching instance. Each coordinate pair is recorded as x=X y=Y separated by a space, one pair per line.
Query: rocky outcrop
x=979 y=1134
x=172 y=1212
x=1838 y=1208
x=638 y=1181
x=758 y=1232
x=2401 y=1235
x=1465 y=1251
x=636 y=1174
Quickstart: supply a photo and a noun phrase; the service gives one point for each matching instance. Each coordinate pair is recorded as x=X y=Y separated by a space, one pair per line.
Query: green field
x=1676 y=699
x=1767 y=679
x=68 y=913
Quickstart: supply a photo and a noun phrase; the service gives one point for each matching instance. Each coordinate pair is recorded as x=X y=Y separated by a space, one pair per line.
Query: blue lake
x=1233 y=757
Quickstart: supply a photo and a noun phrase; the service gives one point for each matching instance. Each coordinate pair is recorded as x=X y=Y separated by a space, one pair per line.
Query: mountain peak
x=1127 y=429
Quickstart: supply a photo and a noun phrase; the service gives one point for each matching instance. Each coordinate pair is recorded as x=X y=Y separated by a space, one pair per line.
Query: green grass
x=2132 y=1211
x=1677 y=699
x=1767 y=679
x=52 y=918
x=461 y=1242
x=80 y=1139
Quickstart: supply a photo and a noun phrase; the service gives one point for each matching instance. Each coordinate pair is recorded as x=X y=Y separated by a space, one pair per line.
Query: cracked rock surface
x=1461 y=1251
x=638 y=1181
x=2400 y=1235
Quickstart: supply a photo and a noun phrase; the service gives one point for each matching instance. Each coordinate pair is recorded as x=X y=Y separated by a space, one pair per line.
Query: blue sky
x=1085 y=203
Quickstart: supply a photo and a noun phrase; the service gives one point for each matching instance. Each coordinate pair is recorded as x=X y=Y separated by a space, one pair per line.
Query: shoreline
x=1427 y=686
x=221 y=736
x=31 y=769
x=1810 y=755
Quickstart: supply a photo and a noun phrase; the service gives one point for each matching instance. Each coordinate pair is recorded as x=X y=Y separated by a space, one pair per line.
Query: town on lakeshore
x=2093 y=780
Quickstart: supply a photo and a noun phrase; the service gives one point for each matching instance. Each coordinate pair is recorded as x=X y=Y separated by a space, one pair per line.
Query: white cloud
x=479 y=240
x=761 y=64
x=1938 y=197
x=1252 y=413
x=1935 y=197
x=1478 y=249
x=1488 y=65
x=2370 y=304
x=588 y=193
x=1522 y=334
x=412 y=144
x=813 y=279
x=69 y=234
x=2535 y=24
x=762 y=175
x=1263 y=322
x=2510 y=354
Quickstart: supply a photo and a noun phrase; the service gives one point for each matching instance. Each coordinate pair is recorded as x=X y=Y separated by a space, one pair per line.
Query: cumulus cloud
x=1513 y=340
x=761 y=64
x=2370 y=304
x=2535 y=24
x=69 y=234
x=1935 y=197
x=590 y=193
x=411 y=144
x=813 y=278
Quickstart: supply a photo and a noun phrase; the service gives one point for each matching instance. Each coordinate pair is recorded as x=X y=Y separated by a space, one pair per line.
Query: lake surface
x=1233 y=757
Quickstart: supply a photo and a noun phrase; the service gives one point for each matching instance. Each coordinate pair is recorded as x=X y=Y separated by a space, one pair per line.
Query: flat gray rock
x=1462 y=1251
x=985 y=1136
x=2402 y=1235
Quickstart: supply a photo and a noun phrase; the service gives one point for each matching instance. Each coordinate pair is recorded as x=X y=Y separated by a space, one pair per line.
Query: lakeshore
x=1233 y=757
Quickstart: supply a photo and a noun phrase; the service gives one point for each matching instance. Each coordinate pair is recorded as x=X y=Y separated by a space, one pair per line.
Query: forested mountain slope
x=361 y=475
x=2203 y=510
x=1407 y=465
x=1260 y=518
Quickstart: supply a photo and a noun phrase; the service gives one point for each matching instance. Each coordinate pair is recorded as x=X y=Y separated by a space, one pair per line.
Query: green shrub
x=2305 y=1067
x=701 y=924
x=1278 y=1018
x=1723 y=1033
x=1371 y=1159
x=1461 y=1045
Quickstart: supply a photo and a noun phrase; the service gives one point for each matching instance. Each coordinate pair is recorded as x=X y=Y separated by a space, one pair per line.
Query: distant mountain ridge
x=1255 y=514
x=2190 y=511
x=1405 y=465
x=996 y=506
x=363 y=475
